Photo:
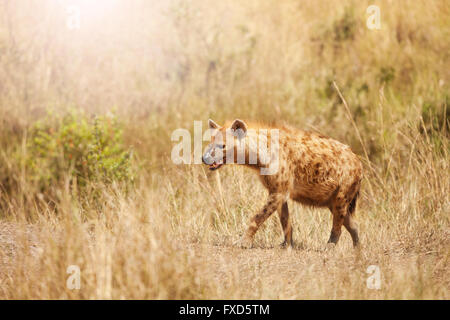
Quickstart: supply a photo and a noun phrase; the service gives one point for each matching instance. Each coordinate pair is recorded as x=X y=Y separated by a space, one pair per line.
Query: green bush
x=386 y=75
x=435 y=115
x=345 y=27
x=82 y=149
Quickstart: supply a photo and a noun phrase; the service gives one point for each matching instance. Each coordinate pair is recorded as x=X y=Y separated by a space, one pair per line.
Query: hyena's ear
x=213 y=125
x=239 y=128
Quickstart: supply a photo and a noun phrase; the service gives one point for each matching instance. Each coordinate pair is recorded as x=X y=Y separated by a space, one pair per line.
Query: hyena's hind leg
x=275 y=200
x=343 y=211
x=338 y=220
x=283 y=213
x=349 y=224
x=338 y=209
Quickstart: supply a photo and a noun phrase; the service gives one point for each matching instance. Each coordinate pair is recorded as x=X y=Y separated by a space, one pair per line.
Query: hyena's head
x=226 y=144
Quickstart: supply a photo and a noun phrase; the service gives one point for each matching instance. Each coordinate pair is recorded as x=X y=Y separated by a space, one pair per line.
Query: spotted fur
x=313 y=169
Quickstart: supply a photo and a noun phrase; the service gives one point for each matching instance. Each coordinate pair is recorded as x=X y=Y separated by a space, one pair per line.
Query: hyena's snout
x=212 y=158
x=207 y=159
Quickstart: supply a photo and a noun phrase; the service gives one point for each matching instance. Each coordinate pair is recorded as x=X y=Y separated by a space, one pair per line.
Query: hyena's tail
x=352 y=205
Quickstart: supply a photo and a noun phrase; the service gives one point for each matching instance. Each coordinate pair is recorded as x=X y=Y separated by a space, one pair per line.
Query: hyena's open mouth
x=215 y=166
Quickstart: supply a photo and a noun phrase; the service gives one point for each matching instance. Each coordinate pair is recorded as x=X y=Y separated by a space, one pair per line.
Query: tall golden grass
x=160 y=66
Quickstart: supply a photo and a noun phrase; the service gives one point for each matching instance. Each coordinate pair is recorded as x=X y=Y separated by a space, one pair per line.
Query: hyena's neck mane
x=258 y=135
x=256 y=125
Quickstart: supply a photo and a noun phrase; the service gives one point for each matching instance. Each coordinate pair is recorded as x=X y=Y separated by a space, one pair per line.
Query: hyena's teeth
x=215 y=166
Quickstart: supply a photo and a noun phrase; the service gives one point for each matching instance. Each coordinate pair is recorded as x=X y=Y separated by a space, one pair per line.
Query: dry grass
x=161 y=66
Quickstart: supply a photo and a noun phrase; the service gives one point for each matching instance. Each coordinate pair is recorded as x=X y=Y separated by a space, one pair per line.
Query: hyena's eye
x=220 y=146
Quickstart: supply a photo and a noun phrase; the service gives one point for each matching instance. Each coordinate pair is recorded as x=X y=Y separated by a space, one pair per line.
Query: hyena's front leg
x=283 y=213
x=275 y=200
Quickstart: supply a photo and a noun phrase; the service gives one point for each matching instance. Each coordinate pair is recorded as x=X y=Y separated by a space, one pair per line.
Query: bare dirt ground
x=272 y=272
x=284 y=273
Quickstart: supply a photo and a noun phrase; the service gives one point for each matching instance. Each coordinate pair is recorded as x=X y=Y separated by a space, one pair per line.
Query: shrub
x=345 y=27
x=386 y=75
x=85 y=150
x=435 y=116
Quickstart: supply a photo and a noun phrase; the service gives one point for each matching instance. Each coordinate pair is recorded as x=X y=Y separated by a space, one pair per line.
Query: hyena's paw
x=245 y=242
x=330 y=246
x=286 y=245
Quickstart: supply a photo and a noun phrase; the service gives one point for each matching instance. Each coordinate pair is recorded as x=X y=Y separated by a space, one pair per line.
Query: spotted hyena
x=312 y=169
